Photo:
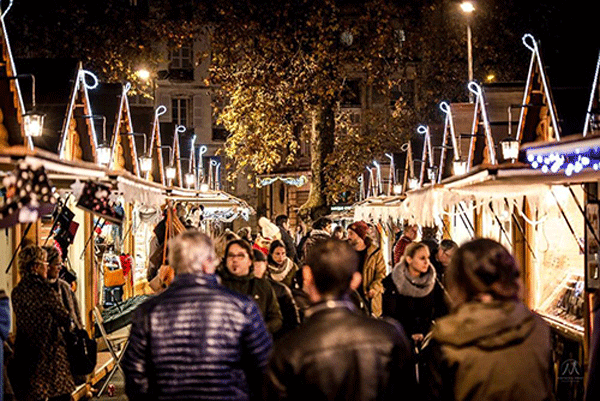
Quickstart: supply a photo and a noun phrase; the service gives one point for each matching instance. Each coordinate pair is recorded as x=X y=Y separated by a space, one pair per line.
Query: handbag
x=81 y=351
x=166 y=274
x=114 y=278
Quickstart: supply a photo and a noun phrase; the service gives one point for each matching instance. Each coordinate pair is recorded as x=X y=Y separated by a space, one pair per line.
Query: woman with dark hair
x=236 y=274
x=62 y=288
x=40 y=369
x=281 y=268
x=285 y=298
x=491 y=347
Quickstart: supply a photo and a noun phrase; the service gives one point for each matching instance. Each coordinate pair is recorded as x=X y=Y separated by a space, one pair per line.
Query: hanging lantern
x=170 y=172
x=204 y=187
x=459 y=167
x=432 y=173
x=189 y=180
x=33 y=124
x=103 y=153
x=397 y=189
x=510 y=149
x=146 y=163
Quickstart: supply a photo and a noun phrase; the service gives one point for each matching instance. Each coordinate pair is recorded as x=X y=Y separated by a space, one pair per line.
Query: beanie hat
x=360 y=228
x=269 y=230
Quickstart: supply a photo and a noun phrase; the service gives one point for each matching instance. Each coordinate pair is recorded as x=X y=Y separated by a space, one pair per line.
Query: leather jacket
x=196 y=340
x=338 y=353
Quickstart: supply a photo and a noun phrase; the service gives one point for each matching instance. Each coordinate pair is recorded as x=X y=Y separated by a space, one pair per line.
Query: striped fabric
x=197 y=340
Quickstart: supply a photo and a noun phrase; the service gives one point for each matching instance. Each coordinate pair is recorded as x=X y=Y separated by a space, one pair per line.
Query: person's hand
x=371 y=293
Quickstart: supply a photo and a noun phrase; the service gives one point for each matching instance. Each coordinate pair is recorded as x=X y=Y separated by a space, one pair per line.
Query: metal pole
x=470 y=57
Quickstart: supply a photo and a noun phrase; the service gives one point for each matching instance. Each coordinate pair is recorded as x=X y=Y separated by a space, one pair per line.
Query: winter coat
x=288 y=307
x=4 y=329
x=40 y=368
x=372 y=276
x=491 y=351
x=196 y=340
x=260 y=291
x=338 y=353
x=410 y=300
x=284 y=273
x=69 y=300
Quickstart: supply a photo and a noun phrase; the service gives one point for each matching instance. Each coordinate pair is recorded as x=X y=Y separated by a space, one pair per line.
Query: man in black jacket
x=339 y=353
x=196 y=340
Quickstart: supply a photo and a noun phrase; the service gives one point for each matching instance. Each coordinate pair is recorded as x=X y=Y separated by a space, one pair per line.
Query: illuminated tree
x=284 y=68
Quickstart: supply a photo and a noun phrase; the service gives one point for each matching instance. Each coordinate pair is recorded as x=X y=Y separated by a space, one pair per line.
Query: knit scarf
x=278 y=273
x=416 y=287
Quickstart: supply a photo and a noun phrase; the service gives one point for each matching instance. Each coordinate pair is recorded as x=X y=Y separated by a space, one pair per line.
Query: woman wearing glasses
x=40 y=369
x=237 y=275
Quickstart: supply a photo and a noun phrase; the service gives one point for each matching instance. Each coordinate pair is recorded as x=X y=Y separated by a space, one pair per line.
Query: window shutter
x=202 y=112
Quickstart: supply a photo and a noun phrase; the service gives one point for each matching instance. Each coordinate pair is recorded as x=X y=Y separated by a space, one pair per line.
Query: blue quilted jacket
x=196 y=340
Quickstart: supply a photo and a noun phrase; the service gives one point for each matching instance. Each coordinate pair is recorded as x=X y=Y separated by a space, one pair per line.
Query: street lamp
x=467 y=8
x=170 y=170
x=104 y=150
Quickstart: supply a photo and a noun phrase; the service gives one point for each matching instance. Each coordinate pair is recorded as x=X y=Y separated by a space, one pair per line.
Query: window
x=351 y=94
x=180 y=109
x=181 y=58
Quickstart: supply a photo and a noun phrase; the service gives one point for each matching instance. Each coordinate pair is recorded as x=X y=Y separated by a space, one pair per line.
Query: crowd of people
x=279 y=316
x=286 y=316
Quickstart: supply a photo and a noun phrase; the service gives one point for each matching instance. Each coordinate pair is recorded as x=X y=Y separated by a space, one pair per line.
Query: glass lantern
x=170 y=172
x=459 y=167
x=189 y=180
x=510 y=149
x=145 y=164
x=103 y=153
x=33 y=124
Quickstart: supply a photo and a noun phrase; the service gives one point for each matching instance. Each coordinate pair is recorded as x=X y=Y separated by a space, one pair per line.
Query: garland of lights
x=295 y=181
x=569 y=163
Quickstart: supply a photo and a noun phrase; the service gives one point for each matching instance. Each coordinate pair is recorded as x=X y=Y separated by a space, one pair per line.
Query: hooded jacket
x=491 y=351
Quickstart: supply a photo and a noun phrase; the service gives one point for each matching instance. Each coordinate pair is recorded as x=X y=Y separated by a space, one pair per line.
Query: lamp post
x=467 y=8
x=145 y=161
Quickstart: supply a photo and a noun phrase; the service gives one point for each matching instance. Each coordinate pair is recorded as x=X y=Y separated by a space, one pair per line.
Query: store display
x=97 y=198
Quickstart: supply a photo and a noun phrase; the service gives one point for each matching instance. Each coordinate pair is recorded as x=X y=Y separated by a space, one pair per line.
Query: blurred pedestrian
x=4 y=330
x=237 y=276
x=339 y=353
x=62 y=288
x=40 y=369
x=282 y=223
x=339 y=233
x=370 y=264
x=321 y=231
x=491 y=347
x=281 y=268
x=196 y=340
x=285 y=298
x=409 y=235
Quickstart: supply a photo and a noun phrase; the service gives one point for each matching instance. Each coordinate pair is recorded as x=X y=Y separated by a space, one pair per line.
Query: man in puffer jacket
x=196 y=340
x=491 y=347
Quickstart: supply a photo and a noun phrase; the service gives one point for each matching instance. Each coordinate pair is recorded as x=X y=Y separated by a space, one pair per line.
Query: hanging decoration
x=95 y=198
x=29 y=195
x=295 y=181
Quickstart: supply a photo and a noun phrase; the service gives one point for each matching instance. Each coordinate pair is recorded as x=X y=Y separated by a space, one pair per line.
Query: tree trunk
x=321 y=145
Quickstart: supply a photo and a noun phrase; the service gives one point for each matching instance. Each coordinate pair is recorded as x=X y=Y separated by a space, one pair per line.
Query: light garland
x=295 y=181
x=569 y=163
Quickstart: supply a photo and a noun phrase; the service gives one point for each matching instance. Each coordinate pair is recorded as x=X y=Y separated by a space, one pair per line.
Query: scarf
x=280 y=272
x=416 y=287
